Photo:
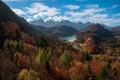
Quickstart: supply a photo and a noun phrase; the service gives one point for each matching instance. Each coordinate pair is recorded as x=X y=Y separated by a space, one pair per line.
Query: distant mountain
x=62 y=31
x=78 y=26
x=47 y=24
x=95 y=30
x=58 y=31
x=39 y=22
x=116 y=30
x=6 y=14
x=42 y=29
x=88 y=23
x=106 y=27
x=51 y=23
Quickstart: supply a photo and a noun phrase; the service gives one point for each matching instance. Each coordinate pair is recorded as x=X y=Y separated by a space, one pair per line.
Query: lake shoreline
x=69 y=38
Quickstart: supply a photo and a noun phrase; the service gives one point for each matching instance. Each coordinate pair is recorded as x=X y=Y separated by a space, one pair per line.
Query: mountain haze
x=51 y=23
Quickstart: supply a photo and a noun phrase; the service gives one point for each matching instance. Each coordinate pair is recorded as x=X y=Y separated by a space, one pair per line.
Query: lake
x=69 y=38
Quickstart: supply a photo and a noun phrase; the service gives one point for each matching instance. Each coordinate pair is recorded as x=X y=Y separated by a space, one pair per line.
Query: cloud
x=72 y=7
x=90 y=10
x=41 y=10
x=118 y=15
x=95 y=18
x=58 y=18
x=114 y=6
x=92 y=14
x=28 y=18
x=92 y=6
x=13 y=0
x=19 y=11
x=83 y=13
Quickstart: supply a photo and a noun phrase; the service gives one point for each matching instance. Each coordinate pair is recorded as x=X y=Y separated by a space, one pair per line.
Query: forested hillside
x=26 y=54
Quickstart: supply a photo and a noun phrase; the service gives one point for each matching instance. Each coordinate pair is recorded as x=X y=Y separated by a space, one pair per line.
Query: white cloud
x=72 y=7
x=19 y=11
x=114 y=6
x=13 y=0
x=96 y=18
x=84 y=12
x=28 y=18
x=92 y=14
x=92 y=6
x=99 y=18
x=41 y=10
x=59 y=18
x=118 y=15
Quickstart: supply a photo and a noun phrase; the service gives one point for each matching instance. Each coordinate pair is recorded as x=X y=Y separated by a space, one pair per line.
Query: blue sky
x=95 y=11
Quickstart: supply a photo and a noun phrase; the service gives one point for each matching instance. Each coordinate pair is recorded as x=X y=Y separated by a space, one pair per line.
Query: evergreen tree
x=102 y=73
x=85 y=57
x=65 y=59
x=6 y=44
x=89 y=68
x=15 y=44
x=20 y=46
x=47 y=66
x=15 y=58
x=40 y=57
x=114 y=72
x=50 y=54
x=41 y=42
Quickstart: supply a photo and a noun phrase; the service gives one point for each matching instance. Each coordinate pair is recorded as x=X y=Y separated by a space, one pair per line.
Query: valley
x=56 y=50
x=69 y=38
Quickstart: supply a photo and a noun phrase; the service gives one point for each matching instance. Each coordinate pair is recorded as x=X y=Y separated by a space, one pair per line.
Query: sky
x=95 y=11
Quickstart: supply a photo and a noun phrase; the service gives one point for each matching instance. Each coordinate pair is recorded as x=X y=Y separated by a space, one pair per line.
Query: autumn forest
x=28 y=54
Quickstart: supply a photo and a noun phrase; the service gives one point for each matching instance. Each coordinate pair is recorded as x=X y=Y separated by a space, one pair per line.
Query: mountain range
x=62 y=28
x=75 y=25
x=51 y=23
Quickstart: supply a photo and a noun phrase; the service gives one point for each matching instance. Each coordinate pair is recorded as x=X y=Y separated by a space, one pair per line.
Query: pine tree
x=85 y=57
x=89 y=68
x=50 y=54
x=65 y=59
x=102 y=73
x=41 y=42
x=114 y=72
x=40 y=57
x=6 y=44
x=20 y=46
